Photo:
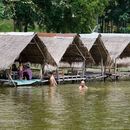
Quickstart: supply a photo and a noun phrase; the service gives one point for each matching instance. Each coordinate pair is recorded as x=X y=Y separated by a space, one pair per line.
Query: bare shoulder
x=83 y=88
x=80 y=87
x=86 y=87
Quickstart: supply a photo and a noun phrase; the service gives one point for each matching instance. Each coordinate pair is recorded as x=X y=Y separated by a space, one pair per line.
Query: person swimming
x=53 y=82
x=83 y=86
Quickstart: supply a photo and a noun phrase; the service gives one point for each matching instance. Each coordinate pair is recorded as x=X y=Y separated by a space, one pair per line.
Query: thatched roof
x=42 y=34
x=95 y=46
x=124 y=62
x=117 y=44
x=65 y=47
x=73 y=65
x=124 y=58
x=24 y=47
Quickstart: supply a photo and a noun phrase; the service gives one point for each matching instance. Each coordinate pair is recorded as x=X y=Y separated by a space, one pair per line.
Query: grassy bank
x=6 y=25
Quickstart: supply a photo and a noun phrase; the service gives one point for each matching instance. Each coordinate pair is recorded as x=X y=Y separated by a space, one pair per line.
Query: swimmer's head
x=82 y=83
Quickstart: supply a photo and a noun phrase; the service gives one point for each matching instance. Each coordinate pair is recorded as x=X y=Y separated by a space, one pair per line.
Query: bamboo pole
x=83 y=68
x=41 y=72
x=40 y=49
x=102 y=68
x=44 y=59
x=80 y=52
x=10 y=77
x=57 y=73
x=115 y=68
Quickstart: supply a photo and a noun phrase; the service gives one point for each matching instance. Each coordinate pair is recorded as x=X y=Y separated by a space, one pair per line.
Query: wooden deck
x=71 y=78
x=66 y=79
x=87 y=77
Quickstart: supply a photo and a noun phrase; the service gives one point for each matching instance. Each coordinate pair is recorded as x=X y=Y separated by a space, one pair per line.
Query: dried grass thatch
x=24 y=47
x=66 y=48
x=124 y=62
x=116 y=44
x=96 y=47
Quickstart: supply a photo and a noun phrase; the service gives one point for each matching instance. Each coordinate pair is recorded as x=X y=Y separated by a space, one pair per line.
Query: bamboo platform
x=32 y=82
x=71 y=78
x=66 y=79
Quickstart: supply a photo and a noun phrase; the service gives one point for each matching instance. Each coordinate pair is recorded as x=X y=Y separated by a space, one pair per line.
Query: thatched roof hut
x=96 y=47
x=117 y=44
x=23 y=47
x=65 y=47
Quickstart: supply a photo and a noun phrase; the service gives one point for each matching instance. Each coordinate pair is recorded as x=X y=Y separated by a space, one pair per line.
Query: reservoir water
x=105 y=106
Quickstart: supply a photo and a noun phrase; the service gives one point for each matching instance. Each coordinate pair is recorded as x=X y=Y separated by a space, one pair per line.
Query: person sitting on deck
x=14 y=67
x=20 y=71
x=27 y=72
x=83 y=86
x=52 y=80
x=14 y=71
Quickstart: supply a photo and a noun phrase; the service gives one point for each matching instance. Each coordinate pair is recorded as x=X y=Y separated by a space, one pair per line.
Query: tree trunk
x=14 y=24
x=20 y=27
x=26 y=27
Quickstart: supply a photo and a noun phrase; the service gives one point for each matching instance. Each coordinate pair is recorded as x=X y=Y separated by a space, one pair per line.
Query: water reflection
x=52 y=93
x=101 y=107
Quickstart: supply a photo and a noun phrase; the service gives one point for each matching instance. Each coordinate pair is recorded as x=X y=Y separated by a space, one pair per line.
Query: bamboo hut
x=96 y=47
x=118 y=46
x=23 y=47
x=66 y=49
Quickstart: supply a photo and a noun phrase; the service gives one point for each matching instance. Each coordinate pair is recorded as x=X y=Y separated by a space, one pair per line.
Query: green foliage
x=22 y=12
x=70 y=15
x=54 y=15
x=1 y=10
x=117 y=16
x=6 y=26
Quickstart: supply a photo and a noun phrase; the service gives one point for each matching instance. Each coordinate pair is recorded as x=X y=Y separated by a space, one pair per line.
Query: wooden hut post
x=10 y=77
x=40 y=74
x=83 y=68
x=115 y=68
x=102 y=67
x=41 y=71
x=57 y=74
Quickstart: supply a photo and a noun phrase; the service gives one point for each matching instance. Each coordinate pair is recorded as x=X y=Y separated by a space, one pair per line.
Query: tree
x=116 y=16
x=70 y=15
x=22 y=12
x=1 y=10
x=55 y=15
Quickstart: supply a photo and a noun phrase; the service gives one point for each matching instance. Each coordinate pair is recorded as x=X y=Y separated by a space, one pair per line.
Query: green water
x=105 y=106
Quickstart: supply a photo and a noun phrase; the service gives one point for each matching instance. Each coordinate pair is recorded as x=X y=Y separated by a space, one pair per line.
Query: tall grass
x=6 y=25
